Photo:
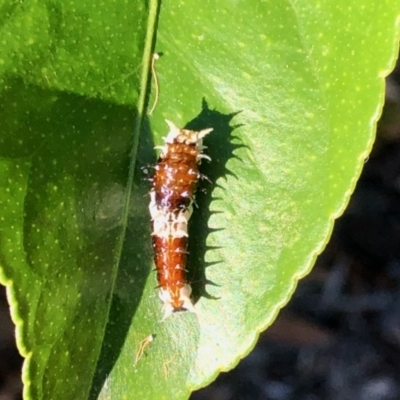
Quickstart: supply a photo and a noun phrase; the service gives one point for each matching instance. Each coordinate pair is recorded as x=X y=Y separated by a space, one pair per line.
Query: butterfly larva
x=171 y=200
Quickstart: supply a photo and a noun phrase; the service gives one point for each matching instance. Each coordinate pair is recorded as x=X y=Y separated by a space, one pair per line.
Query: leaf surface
x=293 y=91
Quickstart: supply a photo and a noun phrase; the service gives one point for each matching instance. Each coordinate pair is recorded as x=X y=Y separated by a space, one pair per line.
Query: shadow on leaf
x=220 y=148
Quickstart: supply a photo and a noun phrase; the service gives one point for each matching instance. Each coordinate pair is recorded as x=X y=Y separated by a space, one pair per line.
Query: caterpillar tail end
x=174 y=304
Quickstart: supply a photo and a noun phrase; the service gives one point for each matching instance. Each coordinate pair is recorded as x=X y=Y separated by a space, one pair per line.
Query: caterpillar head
x=177 y=135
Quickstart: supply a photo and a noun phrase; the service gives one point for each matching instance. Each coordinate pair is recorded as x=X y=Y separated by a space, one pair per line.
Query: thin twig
x=154 y=73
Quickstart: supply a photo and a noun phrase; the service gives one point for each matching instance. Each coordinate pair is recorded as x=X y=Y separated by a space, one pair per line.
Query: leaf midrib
x=153 y=12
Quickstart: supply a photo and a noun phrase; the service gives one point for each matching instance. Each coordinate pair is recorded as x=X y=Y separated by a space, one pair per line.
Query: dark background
x=339 y=337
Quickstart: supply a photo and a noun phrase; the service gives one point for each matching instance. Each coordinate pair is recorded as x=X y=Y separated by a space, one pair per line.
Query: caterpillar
x=171 y=204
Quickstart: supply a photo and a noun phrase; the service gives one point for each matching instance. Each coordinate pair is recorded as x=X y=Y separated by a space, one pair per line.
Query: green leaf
x=293 y=92
x=73 y=84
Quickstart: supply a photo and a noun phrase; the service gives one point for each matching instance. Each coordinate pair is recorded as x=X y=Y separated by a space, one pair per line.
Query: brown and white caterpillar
x=171 y=205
